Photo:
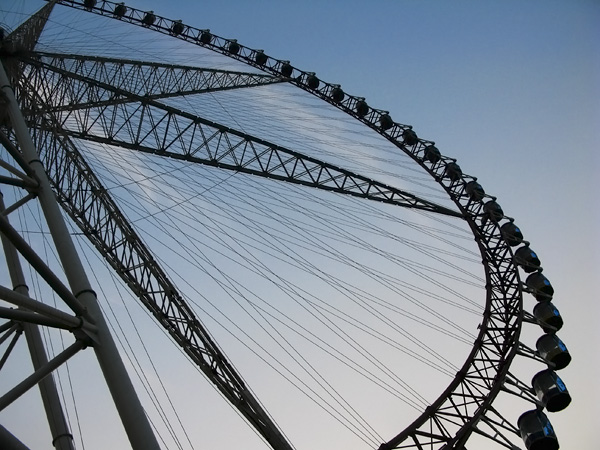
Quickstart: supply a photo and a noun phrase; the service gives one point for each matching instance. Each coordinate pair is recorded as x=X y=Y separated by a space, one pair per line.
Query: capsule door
x=537 y=432
x=551 y=390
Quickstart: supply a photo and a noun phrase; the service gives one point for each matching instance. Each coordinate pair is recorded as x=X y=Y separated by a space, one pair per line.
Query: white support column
x=128 y=405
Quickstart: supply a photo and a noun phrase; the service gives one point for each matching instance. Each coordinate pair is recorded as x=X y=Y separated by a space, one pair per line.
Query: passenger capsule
x=362 y=109
x=89 y=4
x=149 y=18
x=234 y=47
x=120 y=10
x=260 y=58
x=527 y=259
x=493 y=211
x=543 y=290
x=337 y=94
x=312 y=81
x=286 y=69
x=536 y=431
x=453 y=171
x=206 y=37
x=409 y=137
x=548 y=317
x=177 y=27
x=474 y=190
x=432 y=154
x=551 y=390
x=511 y=233
x=553 y=350
x=386 y=122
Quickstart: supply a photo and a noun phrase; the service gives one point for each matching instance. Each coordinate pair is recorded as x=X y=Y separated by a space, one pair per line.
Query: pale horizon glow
x=510 y=89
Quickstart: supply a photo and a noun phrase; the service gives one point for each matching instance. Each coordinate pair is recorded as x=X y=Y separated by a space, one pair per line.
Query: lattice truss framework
x=118 y=102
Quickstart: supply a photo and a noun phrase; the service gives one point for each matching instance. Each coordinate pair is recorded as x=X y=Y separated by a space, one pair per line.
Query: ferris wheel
x=311 y=233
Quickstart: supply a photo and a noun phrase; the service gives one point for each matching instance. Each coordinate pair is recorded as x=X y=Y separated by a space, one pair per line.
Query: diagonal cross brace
x=148 y=79
x=183 y=135
x=90 y=206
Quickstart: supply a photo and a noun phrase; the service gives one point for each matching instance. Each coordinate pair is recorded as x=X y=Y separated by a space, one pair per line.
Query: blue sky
x=508 y=88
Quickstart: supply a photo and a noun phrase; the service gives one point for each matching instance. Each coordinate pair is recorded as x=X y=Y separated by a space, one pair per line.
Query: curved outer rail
x=466 y=405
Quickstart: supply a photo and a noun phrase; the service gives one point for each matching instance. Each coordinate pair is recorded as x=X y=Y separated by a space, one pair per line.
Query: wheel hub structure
x=336 y=278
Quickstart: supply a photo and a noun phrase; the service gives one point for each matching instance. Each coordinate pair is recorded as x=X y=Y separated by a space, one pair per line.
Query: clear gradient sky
x=509 y=88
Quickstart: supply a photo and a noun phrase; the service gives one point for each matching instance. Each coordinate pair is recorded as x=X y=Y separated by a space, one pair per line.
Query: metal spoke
x=94 y=211
x=117 y=116
x=70 y=99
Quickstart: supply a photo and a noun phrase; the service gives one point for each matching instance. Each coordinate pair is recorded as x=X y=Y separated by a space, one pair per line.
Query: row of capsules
x=534 y=426
x=232 y=47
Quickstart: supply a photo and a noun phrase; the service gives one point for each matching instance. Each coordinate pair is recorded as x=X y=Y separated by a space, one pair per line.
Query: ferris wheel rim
x=484 y=226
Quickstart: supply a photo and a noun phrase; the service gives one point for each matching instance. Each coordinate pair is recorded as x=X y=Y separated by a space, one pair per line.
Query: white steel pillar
x=128 y=405
x=61 y=436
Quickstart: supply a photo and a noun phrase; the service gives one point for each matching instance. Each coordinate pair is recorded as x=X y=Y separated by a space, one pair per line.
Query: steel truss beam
x=24 y=38
x=150 y=80
x=462 y=408
x=90 y=206
x=9 y=329
x=116 y=116
x=79 y=296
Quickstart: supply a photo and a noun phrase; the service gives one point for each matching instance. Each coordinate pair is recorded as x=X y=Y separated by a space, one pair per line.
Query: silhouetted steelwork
x=72 y=96
x=89 y=102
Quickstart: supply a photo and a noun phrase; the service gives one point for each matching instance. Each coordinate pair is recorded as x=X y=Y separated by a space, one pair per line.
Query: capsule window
x=149 y=18
x=337 y=94
x=551 y=391
x=177 y=28
x=474 y=190
x=286 y=70
x=493 y=211
x=548 y=317
x=386 y=122
x=313 y=82
x=120 y=10
x=233 y=47
x=260 y=58
x=453 y=171
x=362 y=109
x=409 y=137
x=511 y=233
x=540 y=285
x=536 y=431
x=431 y=154
x=553 y=351
x=205 y=37
x=527 y=259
